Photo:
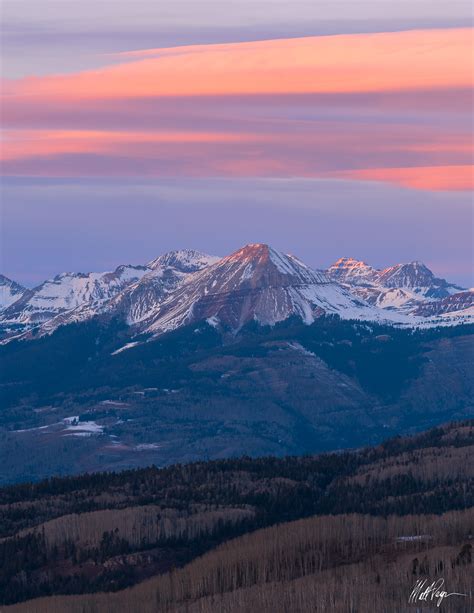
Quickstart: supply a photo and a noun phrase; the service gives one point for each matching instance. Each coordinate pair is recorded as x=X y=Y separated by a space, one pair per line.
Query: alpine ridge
x=403 y=287
x=255 y=353
x=255 y=283
x=67 y=291
x=129 y=293
x=166 y=273
x=461 y=303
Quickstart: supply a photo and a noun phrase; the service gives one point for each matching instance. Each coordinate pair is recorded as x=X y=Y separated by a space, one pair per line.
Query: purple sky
x=63 y=225
x=50 y=225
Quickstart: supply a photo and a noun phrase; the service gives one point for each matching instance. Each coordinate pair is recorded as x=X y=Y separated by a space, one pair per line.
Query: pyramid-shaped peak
x=415 y=267
x=411 y=274
x=260 y=264
x=262 y=252
x=252 y=250
x=254 y=283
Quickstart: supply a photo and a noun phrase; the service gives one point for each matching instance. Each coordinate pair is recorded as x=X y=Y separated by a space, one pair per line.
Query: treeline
x=138 y=526
x=110 y=549
x=340 y=564
x=110 y=530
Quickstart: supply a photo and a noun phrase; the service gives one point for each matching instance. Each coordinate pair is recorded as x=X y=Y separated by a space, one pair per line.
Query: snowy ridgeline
x=255 y=283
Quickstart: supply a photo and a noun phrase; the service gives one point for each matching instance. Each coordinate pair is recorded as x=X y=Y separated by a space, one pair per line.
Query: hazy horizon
x=291 y=215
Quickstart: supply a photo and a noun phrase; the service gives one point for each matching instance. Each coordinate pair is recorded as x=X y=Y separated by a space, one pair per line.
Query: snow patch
x=125 y=347
x=147 y=446
x=300 y=349
x=83 y=428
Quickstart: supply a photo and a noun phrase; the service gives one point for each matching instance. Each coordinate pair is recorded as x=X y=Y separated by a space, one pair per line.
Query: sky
x=326 y=129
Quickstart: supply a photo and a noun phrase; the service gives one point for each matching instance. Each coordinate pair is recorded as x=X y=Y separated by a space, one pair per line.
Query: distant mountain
x=167 y=272
x=10 y=292
x=136 y=298
x=418 y=278
x=353 y=272
x=403 y=287
x=256 y=353
x=184 y=260
x=67 y=291
x=256 y=283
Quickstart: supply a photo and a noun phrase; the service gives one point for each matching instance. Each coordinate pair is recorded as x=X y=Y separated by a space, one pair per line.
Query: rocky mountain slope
x=10 y=292
x=461 y=301
x=131 y=291
x=183 y=260
x=256 y=283
x=403 y=287
x=67 y=291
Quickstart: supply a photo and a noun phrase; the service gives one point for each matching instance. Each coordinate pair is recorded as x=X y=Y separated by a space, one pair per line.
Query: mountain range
x=192 y=357
x=254 y=283
x=403 y=287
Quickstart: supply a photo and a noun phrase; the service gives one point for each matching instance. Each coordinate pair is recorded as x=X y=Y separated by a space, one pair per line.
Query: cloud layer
x=390 y=107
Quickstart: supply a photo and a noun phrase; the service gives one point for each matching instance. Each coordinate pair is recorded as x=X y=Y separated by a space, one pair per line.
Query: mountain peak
x=399 y=287
x=411 y=274
x=251 y=251
x=348 y=261
x=352 y=271
x=255 y=283
x=183 y=260
x=259 y=264
x=68 y=291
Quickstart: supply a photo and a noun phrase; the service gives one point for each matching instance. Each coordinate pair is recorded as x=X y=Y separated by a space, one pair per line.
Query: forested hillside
x=104 y=532
x=337 y=564
x=198 y=393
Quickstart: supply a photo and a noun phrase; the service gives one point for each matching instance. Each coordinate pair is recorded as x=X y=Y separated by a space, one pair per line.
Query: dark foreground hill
x=349 y=531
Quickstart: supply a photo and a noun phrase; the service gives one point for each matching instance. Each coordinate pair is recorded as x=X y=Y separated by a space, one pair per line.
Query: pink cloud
x=390 y=107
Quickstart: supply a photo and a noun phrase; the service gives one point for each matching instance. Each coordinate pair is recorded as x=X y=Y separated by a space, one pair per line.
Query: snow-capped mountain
x=255 y=283
x=353 y=272
x=183 y=260
x=416 y=277
x=10 y=292
x=67 y=291
x=403 y=287
x=167 y=272
x=138 y=297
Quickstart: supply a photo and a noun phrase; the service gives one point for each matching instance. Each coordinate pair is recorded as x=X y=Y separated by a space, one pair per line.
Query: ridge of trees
x=107 y=531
